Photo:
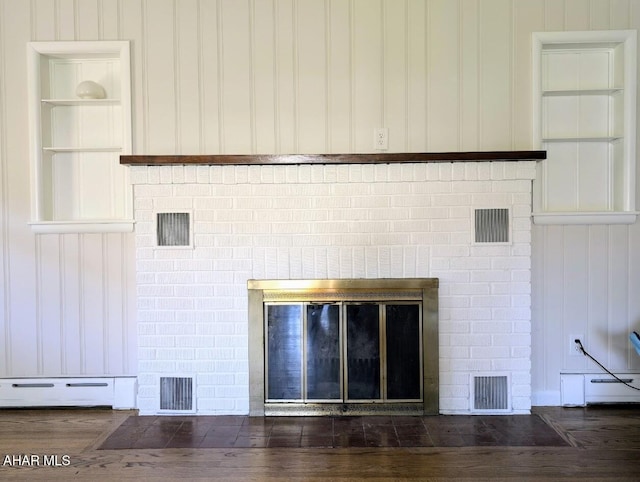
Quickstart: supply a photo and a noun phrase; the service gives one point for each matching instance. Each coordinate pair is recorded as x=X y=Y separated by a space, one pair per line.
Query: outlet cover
x=574 y=350
x=381 y=138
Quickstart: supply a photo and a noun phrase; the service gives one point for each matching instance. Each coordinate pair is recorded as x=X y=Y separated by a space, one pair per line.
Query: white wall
x=235 y=76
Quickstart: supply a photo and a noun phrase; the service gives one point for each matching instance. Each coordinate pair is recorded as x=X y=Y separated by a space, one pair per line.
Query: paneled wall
x=244 y=76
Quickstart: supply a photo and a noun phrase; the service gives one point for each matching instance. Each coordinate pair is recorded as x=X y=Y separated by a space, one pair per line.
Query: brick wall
x=347 y=221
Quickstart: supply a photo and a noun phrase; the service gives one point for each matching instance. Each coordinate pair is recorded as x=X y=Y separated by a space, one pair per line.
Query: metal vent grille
x=173 y=229
x=492 y=225
x=491 y=393
x=176 y=394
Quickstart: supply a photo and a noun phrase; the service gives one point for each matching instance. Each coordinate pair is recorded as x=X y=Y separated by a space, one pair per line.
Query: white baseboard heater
x=116 y=392
x=581 y=389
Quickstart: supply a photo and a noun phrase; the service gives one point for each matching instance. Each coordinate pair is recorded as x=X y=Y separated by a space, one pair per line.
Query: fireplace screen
x=342 y=346
x=357 y=352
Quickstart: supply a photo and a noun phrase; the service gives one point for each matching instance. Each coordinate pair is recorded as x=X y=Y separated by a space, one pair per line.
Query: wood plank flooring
x=605 y=445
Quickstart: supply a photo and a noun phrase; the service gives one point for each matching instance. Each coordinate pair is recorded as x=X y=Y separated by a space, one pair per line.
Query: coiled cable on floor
x=587 y=354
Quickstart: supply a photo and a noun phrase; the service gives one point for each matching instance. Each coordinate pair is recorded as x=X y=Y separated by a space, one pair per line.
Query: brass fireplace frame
x=424 y=290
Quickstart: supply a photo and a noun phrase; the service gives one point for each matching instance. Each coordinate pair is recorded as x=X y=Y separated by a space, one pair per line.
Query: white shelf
x=78 y=184
x=581 y=139
x=83 y=226
x=578 y=92
x=585 y=115
x=80 y=102
x=83 y=149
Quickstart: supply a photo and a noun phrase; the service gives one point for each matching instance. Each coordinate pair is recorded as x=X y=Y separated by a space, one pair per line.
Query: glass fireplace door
x=284 y=352
x=322 y=353
x=343 y=352
x=403 y=352
x=303 y=352
x=363 y=352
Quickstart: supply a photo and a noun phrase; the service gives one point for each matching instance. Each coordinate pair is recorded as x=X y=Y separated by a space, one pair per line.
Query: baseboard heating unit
x=115 y=392
x=581 y=389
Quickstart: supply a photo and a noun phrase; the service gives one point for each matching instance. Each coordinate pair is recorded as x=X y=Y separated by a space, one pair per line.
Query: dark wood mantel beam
x=292 y=159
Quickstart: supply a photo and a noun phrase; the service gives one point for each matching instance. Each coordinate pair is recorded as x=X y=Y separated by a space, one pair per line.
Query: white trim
x=620 y=217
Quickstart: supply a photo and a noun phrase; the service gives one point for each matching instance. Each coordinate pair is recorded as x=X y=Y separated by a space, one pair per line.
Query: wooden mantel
x=292 y=159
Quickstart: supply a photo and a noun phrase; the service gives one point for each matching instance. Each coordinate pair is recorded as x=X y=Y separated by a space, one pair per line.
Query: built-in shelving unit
x=584 y=117
x=78 y=184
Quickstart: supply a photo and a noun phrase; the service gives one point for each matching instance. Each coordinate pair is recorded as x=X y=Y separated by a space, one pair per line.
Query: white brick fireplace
x=405 y=220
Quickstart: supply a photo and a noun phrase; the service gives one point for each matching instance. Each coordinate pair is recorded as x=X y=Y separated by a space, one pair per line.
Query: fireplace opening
x=343 y=346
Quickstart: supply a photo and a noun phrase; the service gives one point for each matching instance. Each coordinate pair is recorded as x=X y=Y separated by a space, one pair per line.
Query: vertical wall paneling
x=395 y=75
x=618 y=337
x=87 y=19
x=43 y=18
x=539 y=330
x=368 y=56
x=577 y=14
x=554 y=14
x=263 y=77
x=340 y=80
x=236 y=75
x=575 y=284
x=74 y=351
x=285 y=76
x=528 y=16
x=633 y=322
x=599 y=14
x=49 y=305
x=210 y=103
x=469 y=75
x=496 y=90
x=5 y=291
x=93 y=302
x=109 y=20
x=620 y=14
x=241 y=76
x=598 y=263
x=416 y=95
x=553 y=308
x=311 y=75
x=187 y=77
x=120 y=335
x=252 y=75
x=609 y=265
x=160 y=71
x=443 y=75
x=20 y=263
x=66 y=20
x=81 y=308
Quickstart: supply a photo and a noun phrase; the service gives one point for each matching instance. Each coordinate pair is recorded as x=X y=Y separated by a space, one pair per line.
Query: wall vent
x=492 y=225
x=177 y=394
x=490 y=393
x=173 y=229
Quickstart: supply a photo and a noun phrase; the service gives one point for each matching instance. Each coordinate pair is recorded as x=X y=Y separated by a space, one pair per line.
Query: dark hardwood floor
x=603 y=444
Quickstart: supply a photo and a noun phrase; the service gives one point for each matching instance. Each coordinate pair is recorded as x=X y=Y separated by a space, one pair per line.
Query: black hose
x=585 y=353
